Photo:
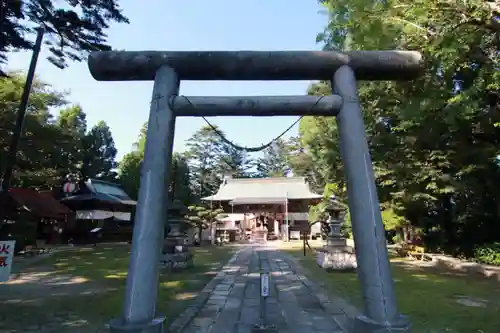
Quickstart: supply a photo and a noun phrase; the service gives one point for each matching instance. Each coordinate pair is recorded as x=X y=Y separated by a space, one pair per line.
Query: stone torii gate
x=343 y=69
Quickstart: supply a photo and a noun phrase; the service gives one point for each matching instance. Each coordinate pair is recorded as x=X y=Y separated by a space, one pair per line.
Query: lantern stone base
x=336 y=243
x=337 y=255
x=175 y=254
x=177 y=261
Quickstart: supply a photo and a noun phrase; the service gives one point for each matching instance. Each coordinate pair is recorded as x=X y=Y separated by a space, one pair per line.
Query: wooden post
x=304 y=235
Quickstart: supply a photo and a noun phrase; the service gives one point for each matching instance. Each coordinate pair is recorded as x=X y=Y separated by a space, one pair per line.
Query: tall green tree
x=129 y=172
x=140 y=144
x=234 y=162
x=99 y=153
x=321 y=152
x=39 y=160
x=274 y=162
x=434 y=141
x=301 y=164
x=180 y=185
x=72 y=121
x=52 y=148
x=73 y=28
x=204 y=152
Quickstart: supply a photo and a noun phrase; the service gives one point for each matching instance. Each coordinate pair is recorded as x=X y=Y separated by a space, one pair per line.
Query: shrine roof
x=97 y=190
x=263 y=190
x=39 y=204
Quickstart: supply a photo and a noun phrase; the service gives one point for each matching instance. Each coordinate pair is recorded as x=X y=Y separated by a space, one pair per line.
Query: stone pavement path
x=231 y=302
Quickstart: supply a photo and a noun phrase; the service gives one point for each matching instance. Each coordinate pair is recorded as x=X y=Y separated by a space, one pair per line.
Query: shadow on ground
x=82 y=289
x=436 y=299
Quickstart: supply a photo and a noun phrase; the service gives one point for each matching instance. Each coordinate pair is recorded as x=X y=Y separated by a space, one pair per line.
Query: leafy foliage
x=73 y=28
x=129 y=173
x=129 y=170
x=488 y=254
x=211 y=159
x=434 y=141
x=274 y=163
x=100 y=153
x=52 y=148
x=203 y=217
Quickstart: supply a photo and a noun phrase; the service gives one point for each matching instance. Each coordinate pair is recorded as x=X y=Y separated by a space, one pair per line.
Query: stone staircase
x=259 y=236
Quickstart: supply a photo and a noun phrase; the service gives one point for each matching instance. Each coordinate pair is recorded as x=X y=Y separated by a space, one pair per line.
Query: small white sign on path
x=6 y=256
x=264 y=284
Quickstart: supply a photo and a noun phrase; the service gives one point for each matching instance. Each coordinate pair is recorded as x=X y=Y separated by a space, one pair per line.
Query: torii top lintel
x=255 y=65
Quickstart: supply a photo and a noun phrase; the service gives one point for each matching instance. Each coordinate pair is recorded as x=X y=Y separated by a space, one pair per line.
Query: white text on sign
x=264 y=284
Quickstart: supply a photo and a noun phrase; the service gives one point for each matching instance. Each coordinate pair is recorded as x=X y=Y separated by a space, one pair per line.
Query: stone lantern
x=175 y=253
x=336 y=255
x=336 y=215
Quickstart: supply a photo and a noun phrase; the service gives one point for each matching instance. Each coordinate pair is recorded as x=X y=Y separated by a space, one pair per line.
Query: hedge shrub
x=488 y=254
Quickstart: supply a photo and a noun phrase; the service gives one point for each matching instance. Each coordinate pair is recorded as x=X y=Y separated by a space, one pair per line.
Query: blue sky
x=191 y=25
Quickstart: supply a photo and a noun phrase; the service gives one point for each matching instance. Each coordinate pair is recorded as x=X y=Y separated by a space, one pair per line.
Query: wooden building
x=275 y=202
x=99 y=205
x=35 y=218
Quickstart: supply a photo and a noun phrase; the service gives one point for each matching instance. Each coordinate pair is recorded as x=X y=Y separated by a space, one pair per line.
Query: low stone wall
x=466 y=266
x=177 y=261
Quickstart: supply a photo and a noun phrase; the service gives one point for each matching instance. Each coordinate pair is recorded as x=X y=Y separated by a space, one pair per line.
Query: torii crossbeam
x=168 y=68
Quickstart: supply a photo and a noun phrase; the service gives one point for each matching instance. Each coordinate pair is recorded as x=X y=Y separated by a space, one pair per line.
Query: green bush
x=488 y=254
x=397 y=238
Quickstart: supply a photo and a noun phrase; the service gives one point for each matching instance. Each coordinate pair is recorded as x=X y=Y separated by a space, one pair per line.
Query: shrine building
x=275 y=203
x=99 y=206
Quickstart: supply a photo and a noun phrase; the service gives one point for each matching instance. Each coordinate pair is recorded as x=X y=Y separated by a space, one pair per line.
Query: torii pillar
x=343 y=69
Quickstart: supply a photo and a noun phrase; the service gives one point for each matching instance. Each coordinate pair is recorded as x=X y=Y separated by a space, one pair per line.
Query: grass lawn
x=81 y=289
x=427 y=295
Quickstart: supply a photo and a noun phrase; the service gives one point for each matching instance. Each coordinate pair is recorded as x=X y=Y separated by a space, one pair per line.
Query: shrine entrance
x=280 y=203
x=343 y=69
